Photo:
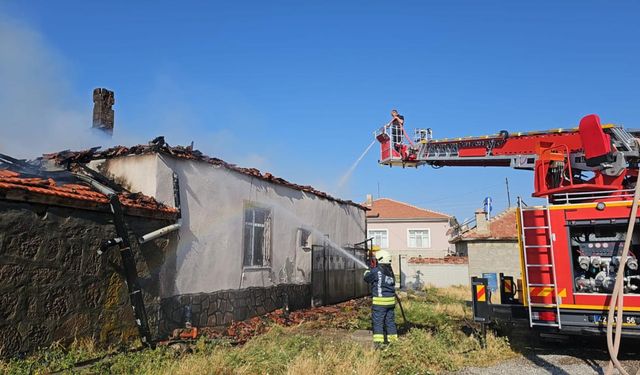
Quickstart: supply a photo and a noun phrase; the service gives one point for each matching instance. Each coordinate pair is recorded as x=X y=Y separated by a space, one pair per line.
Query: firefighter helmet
x=375 y=248
x=383 y=257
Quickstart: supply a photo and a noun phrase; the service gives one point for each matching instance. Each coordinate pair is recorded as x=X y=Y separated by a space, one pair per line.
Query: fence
x=335 y=277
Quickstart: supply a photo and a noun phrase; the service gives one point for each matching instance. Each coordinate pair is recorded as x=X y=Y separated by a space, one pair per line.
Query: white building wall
x=419 y=275
x=210 y=249
x=397 y=232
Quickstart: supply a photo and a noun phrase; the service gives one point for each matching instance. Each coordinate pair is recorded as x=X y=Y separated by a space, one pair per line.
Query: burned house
x=54 y=284
x=248 y=243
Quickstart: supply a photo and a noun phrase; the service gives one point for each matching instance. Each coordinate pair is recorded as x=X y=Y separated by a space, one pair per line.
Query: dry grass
x=440 y=344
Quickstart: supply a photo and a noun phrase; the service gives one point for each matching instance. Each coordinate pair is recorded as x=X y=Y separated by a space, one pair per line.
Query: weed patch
x=441 y=340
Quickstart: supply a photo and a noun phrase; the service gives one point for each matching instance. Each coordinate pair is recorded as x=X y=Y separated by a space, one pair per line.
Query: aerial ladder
x=571 y=248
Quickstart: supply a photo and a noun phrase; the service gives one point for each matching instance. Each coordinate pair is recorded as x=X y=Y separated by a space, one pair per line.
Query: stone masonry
x=55 y=287
x=222 y=307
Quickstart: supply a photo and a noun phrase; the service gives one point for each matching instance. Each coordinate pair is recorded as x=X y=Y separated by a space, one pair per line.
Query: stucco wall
x=418 y=275
x=398 y=238
x=495 y=257
x=209 y=254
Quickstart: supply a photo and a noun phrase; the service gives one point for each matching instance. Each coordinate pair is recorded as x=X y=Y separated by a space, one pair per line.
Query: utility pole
x=506 y=180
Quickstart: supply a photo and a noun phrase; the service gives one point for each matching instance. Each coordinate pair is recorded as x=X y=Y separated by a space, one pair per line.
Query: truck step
x=539 y=265
x=545 y=324
x=540 y=227
x=542 y=284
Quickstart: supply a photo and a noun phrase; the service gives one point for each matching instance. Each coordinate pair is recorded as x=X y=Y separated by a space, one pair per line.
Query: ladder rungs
x=542 y=227
x=538 y=246
x=542 y=284
x=534 y=304
x=539 y=265
x=545 y=324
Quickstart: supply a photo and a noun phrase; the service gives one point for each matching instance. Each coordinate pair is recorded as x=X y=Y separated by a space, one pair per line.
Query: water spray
x=345 y=177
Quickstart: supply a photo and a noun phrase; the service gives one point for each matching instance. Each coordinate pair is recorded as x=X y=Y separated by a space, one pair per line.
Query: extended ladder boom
x=559 y=156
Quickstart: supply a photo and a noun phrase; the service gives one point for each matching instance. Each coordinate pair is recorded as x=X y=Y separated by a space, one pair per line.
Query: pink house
x=408 y=231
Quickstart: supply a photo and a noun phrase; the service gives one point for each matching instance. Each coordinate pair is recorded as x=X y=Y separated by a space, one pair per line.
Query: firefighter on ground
x=383 y=290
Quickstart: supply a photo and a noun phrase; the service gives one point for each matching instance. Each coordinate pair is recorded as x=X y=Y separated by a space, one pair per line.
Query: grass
x=441 y=340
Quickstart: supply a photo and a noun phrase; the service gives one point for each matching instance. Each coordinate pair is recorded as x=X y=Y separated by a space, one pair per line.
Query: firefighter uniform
x=383 y=292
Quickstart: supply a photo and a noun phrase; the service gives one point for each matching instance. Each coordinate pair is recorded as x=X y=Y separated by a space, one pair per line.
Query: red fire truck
x=569 y=248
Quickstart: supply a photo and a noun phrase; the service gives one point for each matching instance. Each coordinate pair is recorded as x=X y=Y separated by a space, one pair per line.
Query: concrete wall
x=210 y=249
x=55 y=287
x=398 y=238
x=418 y=275
x=494 y=257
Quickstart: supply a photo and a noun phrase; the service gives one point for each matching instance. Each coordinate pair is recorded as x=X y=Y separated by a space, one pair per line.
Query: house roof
x=501 y=227
x=386 y=208
x=75 y=193
x=159 y=145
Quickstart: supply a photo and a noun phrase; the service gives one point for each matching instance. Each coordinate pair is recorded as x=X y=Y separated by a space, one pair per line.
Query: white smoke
x=38 y=113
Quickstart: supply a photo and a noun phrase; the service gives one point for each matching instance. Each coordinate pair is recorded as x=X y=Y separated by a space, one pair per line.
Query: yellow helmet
x=383 y=257
x=375 y=248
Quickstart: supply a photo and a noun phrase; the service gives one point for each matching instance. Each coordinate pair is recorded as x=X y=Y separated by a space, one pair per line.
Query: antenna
x=506 y=180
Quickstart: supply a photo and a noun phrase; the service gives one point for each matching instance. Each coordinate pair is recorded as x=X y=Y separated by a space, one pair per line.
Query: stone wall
x=54 y=286
x=494 y=257
x=222 y=307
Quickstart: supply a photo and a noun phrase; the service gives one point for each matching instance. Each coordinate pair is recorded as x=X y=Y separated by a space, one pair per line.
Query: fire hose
x=617 y=297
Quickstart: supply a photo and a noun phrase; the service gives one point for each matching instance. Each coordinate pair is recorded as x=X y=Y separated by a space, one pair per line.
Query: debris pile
x=337 y=316
x=158 y=145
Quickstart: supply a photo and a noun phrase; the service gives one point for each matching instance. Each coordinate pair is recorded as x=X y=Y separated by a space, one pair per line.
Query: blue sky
x=297 y=89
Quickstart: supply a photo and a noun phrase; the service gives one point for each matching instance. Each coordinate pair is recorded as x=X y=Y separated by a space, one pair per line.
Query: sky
x=298 y=88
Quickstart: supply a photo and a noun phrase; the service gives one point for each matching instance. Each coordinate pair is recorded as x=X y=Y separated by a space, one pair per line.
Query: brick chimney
x=103 y=115
x=482 y=224
x=369 y=201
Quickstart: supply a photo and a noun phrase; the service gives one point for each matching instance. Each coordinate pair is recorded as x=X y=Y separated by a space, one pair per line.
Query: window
x=256 y=236
x=380 y=237
x=304 y=237
x=419 y=238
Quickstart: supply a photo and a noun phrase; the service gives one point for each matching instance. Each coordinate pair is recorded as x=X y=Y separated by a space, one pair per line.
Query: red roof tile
x=385 y=208
x=501 y=227
x=158 y=145
x=445 y=260
x=11 y=181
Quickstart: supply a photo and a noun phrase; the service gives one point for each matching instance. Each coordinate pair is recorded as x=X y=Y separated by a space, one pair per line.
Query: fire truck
x=570 y=247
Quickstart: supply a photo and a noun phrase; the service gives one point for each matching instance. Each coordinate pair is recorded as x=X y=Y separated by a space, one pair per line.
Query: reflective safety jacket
x=383 y=287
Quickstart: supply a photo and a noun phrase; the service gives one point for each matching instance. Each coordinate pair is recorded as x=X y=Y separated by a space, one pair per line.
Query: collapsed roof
x=158 y=145
x=21 y=181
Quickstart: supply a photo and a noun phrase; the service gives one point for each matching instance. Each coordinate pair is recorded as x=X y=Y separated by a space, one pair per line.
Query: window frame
x=369 y=230
x=266 y=255
x=428 y=230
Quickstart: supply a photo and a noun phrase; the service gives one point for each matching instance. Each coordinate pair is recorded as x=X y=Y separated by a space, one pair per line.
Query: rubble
x=340 y=315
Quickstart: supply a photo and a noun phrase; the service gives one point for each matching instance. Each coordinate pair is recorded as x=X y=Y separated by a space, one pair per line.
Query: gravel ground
x=581 y=356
